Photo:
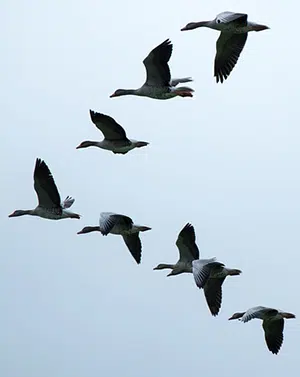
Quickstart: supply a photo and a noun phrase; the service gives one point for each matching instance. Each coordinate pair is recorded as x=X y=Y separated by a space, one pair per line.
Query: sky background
x=226 y=161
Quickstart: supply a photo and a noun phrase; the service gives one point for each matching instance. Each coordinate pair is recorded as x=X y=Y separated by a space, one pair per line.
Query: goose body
x=158 y=83
x=115 y=139
x=209 y=274
x=273 y=324
x=49 y=203
x=113 y=223
x=234 y=28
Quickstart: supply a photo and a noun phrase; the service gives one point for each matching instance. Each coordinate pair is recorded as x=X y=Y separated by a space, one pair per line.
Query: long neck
x=203 y=24
x=89 y=229
x=239 y=315
x=92 y=229
x=164 y=266
x=126 y=92
x=89 y=143
x=26 y=212
x=195 y=25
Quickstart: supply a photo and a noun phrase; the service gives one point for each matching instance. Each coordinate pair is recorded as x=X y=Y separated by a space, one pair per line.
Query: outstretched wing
x=229 y=48
x=213 y=294
x=156 y=64
x=273 y=333
x=134 y=245
x=108 y=126
x=186 y=243
x=45 y=187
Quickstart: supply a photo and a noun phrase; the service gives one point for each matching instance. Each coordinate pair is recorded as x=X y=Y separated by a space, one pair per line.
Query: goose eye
x=218 y=21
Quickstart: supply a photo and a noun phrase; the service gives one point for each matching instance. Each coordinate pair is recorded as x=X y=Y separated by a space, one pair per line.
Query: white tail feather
x=175 y=82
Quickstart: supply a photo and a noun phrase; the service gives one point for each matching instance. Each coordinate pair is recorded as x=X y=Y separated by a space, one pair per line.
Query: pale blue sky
x=227 y=161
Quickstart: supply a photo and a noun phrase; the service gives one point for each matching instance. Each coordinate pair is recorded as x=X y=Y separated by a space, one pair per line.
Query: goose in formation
x=273 y=324
x=121 y=225
x=49 y=206
x=115 y=138
x=158 y=83
x=234 y=28
x=208 y=273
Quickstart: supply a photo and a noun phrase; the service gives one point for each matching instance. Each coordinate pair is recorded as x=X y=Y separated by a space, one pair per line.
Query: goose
x=49 y=206
x=115 y=138
x=208 y=273
x=234 y=28
x=158 y=83
x=115 y=223
x=273 y=324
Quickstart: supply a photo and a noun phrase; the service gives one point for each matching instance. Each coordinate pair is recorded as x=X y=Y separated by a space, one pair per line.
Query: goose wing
x=273 y=329
x=237 y=19
x=108 y=220
x=156 y=64
x=45 y=187
x=229 y=48
x=201 y=269
x=134 y=245
x=108 y=126
x=186 y=243
x=213 y=294
x=255 y=312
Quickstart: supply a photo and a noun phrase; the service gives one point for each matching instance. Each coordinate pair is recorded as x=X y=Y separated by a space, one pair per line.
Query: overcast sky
x=226 y=160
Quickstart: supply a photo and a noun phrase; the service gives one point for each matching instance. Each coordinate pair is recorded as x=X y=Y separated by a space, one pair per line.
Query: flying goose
x=49 y=206
x=158 y=83
x=208 y=273
x=234 y=29
x=114 y=223
x=115 y=138
x=273 y=324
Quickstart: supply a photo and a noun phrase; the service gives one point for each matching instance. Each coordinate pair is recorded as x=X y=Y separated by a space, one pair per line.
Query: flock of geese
x=209 y=274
